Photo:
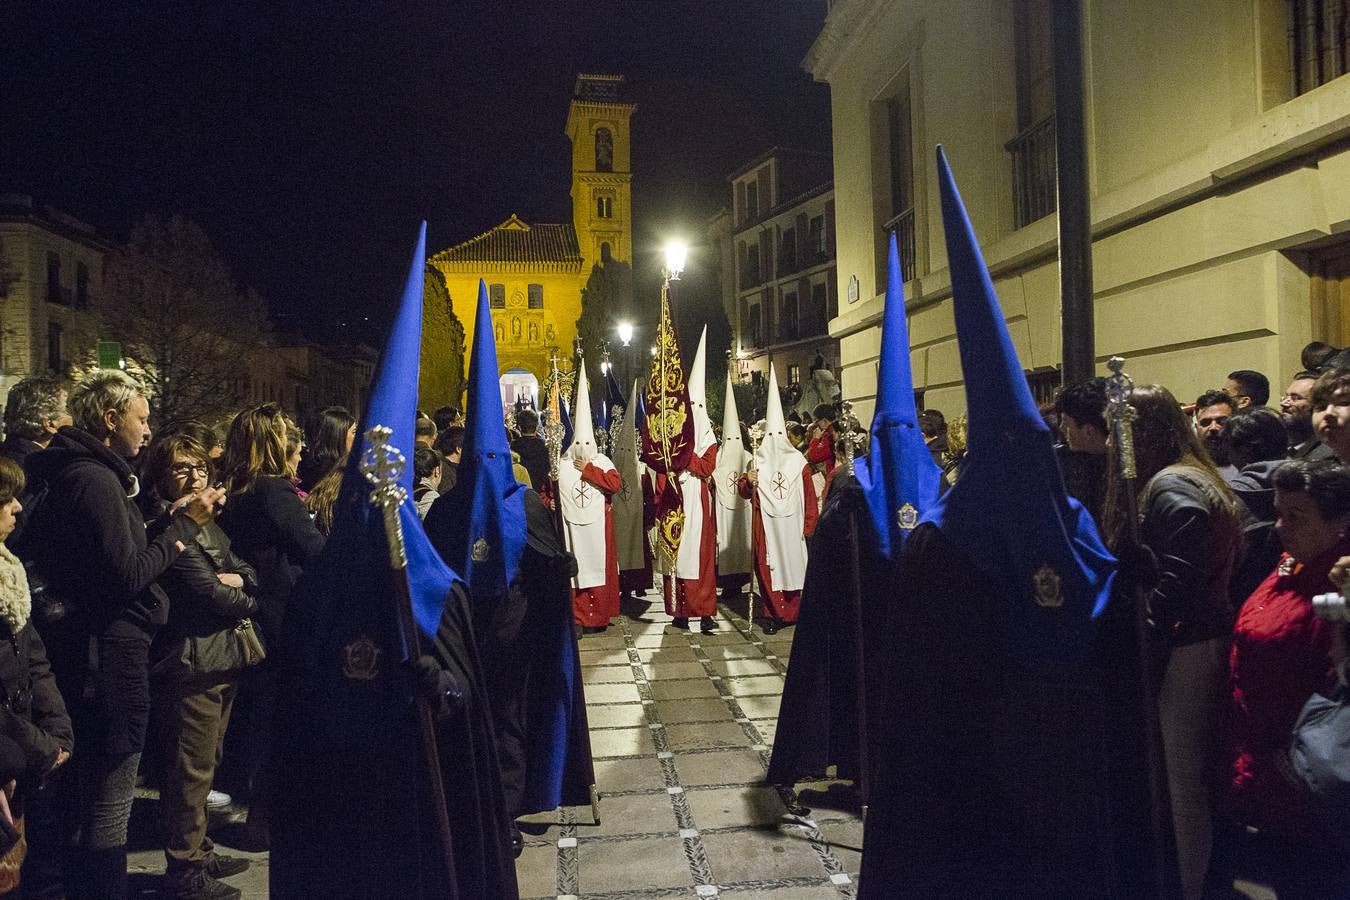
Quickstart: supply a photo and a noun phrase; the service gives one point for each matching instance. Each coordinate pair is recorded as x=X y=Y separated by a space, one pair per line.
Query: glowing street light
x=626 y=332
x=676 y=254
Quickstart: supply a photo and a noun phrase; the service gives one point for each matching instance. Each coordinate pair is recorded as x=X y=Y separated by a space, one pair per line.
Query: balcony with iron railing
x=903 y=226
x=1033 y=162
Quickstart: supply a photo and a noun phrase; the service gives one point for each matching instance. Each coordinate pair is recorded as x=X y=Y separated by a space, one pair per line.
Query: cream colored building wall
x=1207 y=187
x=562 y=308
x=25 y=313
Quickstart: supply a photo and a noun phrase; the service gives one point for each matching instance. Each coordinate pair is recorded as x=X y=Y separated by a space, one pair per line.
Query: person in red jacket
x=1283 y=653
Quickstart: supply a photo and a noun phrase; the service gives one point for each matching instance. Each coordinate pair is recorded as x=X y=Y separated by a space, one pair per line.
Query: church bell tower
x=602 y=175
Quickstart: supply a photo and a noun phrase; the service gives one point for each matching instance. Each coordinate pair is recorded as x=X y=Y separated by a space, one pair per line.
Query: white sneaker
x=217 y=801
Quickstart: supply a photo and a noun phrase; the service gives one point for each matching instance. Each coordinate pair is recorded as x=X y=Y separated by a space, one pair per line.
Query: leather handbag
x=1319 y=753
x=224 y=652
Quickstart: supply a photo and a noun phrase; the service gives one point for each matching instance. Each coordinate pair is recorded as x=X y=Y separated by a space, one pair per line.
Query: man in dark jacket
x=531 y=447
x=99 y=650
x=34 y=411
x=1257 y=443
x=1296 y=414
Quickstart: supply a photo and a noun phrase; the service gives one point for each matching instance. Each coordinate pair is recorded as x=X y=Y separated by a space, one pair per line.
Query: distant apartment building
x=51 y=275
x=52 y=269
x=780 y=280
x=1218 y=138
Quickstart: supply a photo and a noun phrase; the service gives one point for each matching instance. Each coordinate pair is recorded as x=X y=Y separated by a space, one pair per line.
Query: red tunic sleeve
x=809 y=500
x=744 y=487
x=607 y=480
x=703 y=466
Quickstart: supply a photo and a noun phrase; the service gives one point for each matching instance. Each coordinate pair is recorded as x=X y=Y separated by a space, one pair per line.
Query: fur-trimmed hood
x=16 y=603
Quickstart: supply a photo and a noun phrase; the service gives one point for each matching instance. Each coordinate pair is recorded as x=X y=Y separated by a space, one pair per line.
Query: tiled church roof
x=514 y=241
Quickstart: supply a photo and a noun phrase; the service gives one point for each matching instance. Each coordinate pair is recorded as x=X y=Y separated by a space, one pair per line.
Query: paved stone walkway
x=681 y=728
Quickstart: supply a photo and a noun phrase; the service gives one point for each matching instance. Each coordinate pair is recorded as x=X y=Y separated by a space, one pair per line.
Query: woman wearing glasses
x=201 y=654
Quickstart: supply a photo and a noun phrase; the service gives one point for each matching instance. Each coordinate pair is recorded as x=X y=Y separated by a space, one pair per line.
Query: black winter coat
x=200 y=605
x=32 y=712
x=270 y=529
x=1197 y=545
x=88 y=538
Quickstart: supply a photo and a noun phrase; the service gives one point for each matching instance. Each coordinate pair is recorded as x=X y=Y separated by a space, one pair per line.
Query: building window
x=893 y=179
x=789 y=327
x=751 y=278
x=754 y=329
x=604 y=150
x=816 y=239
x=55 y=356
x=536 y=292
x=54 y=293
x=81 y=285
x=497 y=296
x=820 y=306
x=787 y=252
x=1319 y=42
x=604 y=206
x=751 y=200
x=1044 y=382
x=1033 y=149
x=606 y=254
x=794 y=374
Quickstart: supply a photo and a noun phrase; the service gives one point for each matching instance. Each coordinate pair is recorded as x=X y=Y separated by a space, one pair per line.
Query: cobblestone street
x=681 y=728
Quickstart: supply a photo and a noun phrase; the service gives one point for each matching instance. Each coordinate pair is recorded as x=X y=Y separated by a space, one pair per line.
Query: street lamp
x=676 y=253
x=626 y=332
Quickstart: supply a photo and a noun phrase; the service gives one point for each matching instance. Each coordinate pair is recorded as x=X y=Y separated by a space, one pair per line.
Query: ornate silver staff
x=383 y=466
x=1121 y=416
x=756 y=432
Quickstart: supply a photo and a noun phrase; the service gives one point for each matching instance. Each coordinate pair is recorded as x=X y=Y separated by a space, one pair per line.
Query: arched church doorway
x=519 y=386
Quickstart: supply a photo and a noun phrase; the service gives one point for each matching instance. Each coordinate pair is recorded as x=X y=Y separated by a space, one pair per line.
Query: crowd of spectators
x=145 y=579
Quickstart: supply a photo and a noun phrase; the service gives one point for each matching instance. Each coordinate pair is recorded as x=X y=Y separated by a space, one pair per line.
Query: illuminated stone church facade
x=536 y=271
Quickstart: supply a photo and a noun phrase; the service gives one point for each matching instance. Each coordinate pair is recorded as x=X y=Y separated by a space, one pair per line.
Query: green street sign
x=109 y=355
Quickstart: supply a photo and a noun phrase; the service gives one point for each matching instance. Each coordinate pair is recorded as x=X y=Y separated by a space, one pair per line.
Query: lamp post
x=626 y=338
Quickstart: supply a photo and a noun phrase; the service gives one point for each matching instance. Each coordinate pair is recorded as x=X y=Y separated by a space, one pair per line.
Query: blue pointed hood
x=900 y=480
x=358 y=529
x=613 y=399
x=1008 y=511
x=487 y=504
x=566 y=422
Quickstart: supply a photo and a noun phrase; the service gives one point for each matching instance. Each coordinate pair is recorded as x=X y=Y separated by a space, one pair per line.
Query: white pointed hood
x=698 y=397
x=583 y=427
x=734 y=519
x=779 y=463
x=733 y=457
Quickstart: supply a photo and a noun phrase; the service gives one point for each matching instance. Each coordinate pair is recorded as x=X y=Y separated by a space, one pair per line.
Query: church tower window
x=604 y=206
x=604 y=150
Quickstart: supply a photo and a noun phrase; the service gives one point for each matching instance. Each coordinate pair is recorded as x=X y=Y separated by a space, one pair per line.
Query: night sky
x=309 y=138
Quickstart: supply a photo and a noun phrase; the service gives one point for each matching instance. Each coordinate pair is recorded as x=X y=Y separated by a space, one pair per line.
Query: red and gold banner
x=668 y=432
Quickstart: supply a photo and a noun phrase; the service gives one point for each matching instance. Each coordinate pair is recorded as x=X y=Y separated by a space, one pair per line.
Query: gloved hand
x=437 y=686
x=1138 y=567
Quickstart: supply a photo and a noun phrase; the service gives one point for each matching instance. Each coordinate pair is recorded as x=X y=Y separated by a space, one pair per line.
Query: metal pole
x=1071 y=178
x=1162 y=868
